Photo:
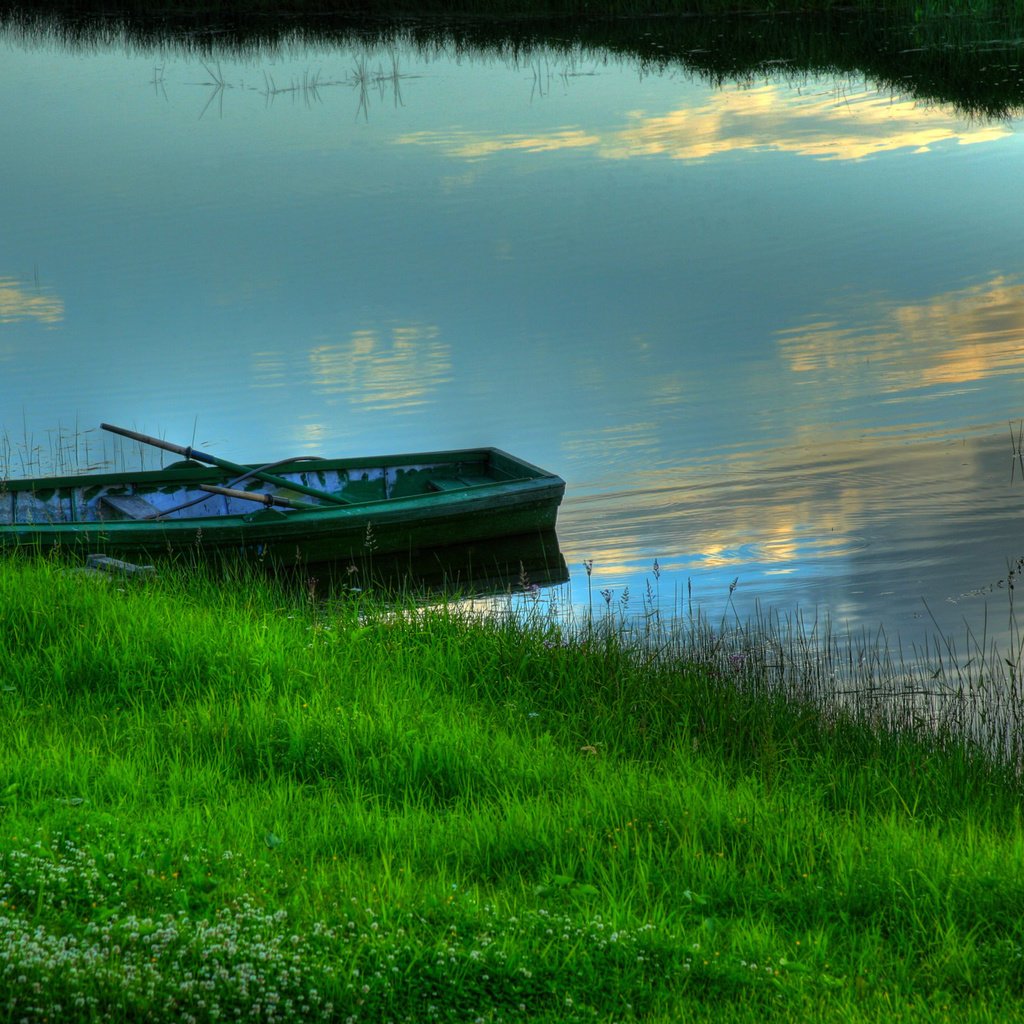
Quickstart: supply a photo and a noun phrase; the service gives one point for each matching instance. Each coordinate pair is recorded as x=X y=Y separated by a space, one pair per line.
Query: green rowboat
x=297 y=512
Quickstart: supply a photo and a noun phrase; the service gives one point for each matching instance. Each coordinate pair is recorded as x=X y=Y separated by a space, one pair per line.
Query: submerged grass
x=229 y=801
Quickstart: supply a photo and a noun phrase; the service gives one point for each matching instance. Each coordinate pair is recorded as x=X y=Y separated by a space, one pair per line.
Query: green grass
x=219 y=800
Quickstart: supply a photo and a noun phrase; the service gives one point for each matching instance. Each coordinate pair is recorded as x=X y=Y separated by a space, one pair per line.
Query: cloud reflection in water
x=771 y=117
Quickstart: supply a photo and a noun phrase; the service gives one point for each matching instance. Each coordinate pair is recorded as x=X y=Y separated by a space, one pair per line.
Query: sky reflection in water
x=771 y=333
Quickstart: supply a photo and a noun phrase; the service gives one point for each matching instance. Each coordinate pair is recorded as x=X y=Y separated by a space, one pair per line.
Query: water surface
x=770 y=333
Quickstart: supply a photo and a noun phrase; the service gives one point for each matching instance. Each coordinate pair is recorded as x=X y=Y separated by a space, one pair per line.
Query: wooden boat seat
x=445 y=484
x=129 y=506
x=459 y=483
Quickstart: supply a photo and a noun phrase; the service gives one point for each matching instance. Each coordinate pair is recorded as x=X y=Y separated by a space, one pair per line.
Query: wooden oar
x=234 y=467
x=263 y=499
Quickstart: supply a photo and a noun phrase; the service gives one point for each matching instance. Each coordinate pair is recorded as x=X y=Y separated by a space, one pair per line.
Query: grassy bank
x=223 y=801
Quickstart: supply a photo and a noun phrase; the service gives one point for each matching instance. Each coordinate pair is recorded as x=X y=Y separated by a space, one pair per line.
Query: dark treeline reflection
x=972 y=62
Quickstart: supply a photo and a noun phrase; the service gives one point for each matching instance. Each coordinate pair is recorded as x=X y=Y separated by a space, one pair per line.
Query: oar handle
x=156 y=442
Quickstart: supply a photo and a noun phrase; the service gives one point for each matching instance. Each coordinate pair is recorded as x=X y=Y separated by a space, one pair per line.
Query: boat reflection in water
x=520 y=564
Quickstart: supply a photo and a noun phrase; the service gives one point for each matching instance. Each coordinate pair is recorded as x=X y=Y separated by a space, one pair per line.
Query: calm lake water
x=770 y=334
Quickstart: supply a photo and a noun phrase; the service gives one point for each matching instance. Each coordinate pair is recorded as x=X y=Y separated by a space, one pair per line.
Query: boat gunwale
x=181 y=473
